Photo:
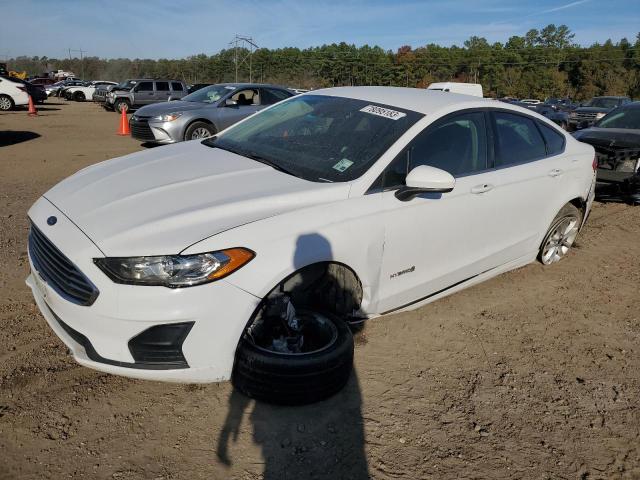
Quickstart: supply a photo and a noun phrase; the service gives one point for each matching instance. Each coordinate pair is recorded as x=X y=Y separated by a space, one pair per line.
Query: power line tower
x=239 y=43
x=82 y=52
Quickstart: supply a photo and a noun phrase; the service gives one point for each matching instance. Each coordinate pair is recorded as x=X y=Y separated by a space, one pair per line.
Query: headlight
x=169 y=117
x=175 y=270
x=600 y=115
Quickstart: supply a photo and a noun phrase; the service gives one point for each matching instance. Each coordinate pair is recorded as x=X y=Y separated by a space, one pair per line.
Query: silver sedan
x=204 y=112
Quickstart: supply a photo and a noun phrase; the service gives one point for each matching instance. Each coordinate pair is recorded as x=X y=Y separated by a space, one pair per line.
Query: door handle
x=556 y=172
x=485 y=187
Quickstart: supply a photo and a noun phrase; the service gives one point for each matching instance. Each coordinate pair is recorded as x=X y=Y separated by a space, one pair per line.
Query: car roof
x=249 y=85
x=416 y=99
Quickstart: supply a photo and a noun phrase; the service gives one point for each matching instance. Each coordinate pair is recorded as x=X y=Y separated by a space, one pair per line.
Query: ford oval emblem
x=52 y=220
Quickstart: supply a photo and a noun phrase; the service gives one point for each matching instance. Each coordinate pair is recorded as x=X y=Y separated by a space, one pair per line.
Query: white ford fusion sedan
x=247 y=255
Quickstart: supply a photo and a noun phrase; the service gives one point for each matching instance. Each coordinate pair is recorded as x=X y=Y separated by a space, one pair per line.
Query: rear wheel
x=121 y=105
x=6 y=103
x=276 y=365
x=199 y=130
x=561 y=235
x=79 y=97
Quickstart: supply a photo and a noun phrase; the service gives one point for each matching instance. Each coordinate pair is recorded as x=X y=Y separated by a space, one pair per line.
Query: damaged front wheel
x=294 y=362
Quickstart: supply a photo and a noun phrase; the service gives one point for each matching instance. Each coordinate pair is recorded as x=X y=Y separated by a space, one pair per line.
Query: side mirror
x=425 y=179
x=230 y=103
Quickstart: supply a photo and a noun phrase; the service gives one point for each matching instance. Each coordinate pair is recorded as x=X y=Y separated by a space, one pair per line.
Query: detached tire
x=295 y=378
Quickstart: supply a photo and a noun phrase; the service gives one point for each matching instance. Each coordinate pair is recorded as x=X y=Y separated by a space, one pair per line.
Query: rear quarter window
x=555 y=140
x=176 y=86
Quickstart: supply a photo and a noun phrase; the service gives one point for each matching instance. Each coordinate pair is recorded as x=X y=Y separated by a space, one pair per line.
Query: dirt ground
x=532 y=375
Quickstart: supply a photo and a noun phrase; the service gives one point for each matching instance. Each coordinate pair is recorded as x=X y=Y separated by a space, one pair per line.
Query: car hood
x=619 y=138
x=593 y=109
x=169 y=107
x=163 y=200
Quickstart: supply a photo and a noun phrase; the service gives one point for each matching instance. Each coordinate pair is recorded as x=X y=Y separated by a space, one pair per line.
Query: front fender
x=344 y=232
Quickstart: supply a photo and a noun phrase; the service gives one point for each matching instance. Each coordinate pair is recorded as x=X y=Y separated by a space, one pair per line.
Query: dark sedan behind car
x=585 y=115
x=37 y=92
x=616 y=138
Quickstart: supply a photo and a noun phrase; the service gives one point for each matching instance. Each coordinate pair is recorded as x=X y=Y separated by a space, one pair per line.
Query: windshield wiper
x=211 y=142
x=266 y=161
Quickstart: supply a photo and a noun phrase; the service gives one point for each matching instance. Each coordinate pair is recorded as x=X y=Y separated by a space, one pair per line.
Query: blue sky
x=178 y=28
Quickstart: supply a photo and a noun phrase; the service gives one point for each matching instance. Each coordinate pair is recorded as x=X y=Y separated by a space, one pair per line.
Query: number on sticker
x=383 y=112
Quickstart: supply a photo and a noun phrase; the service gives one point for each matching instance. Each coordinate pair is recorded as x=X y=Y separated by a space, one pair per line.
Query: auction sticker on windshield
x=383 y=112
x=343 y=164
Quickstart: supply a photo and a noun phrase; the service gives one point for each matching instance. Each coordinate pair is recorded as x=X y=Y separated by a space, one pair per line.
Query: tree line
x=542 y=63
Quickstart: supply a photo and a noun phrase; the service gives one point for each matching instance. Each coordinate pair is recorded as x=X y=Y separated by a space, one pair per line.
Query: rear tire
x=561 y=235
x=295 y=378
x=79 y=97
x=121 y=105
x=6 y=103
x=198 y=130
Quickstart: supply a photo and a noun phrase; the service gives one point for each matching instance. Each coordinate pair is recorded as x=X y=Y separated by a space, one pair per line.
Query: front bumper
x=152 y=131
x=100 y=335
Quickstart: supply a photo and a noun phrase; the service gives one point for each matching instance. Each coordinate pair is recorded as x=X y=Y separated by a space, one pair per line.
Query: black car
x=197 y=86
x=585 y=115
x=559 y=117
x=616 y=138
x=564 y=104
x=37 y=92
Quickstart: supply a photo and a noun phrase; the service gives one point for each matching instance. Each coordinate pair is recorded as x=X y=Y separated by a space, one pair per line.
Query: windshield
x=319 y=138
x=621 y=118
x=603 y=102
x=127 y=84
x=208 y=94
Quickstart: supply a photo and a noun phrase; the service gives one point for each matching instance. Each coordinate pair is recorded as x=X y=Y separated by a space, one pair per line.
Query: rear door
x=178 y=90
x=525 y=184
x=162 y=92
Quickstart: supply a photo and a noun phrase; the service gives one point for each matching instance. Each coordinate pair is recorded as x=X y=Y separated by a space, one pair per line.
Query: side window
x=246 y=97
x=162 y=86
x=457 y=144
x=145 y=87
x=176 y=86
x=553 y=139
x=517 y=139
x=272 y=95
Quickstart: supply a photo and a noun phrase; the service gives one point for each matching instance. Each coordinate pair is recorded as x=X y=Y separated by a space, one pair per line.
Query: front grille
x=585 y=116
x=140 y=129
x=58 y=271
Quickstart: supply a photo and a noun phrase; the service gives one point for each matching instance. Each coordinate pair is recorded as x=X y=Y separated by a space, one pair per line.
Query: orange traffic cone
x=124 y=124
x=32 y=108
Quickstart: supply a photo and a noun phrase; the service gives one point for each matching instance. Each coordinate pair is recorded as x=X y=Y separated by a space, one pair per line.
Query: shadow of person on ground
x=323 y=440
x=12 y=137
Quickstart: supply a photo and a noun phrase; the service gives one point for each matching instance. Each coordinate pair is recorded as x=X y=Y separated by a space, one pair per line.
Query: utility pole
x=242 y=42
x=82 y=52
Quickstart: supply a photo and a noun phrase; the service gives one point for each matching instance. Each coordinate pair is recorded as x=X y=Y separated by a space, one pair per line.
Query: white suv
x=247 y=255
x=12 y=94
